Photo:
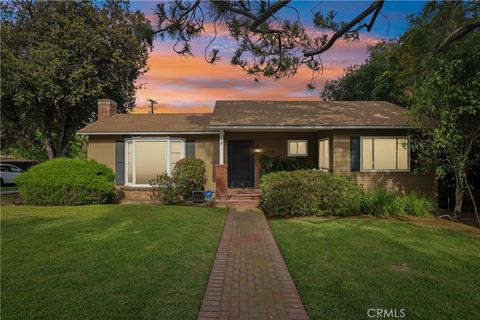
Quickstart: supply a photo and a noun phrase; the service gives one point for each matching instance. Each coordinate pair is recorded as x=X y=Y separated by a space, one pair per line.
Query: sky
x=189 y=84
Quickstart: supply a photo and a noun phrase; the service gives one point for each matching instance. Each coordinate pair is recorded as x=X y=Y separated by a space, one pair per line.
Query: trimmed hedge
x=65 y=182
x=309 y=192
x=276 y=164
x=189 y=175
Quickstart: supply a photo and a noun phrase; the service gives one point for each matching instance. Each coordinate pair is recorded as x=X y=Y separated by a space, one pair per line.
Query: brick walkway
x=249 y=279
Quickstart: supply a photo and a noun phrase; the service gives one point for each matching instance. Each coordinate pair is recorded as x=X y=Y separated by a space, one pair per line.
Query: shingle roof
x=308 y=113
x=259 y=114
x=169 y=122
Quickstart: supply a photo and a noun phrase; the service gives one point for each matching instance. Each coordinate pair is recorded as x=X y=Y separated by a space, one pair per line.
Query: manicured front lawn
x=343 y=267
x=106 y=262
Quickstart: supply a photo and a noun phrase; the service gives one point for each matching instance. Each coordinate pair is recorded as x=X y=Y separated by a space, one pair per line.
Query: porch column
x=222 y=147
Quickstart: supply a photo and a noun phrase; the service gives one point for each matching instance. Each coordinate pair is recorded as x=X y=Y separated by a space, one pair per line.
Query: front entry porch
x=242 y=155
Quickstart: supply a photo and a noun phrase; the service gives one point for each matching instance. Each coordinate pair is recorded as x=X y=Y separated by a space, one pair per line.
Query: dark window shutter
x=120 y=163
x=354 y=153
x=190 y=149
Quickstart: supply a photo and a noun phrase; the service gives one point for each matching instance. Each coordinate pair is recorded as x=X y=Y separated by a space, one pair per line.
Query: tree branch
x=458 y=34
x=268 y=13
x=374 y=7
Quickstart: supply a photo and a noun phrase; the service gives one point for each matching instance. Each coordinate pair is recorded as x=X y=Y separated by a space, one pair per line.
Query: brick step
x=244 y=197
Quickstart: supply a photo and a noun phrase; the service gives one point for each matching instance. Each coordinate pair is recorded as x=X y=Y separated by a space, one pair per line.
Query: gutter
x=101 y=133
x=294 y=127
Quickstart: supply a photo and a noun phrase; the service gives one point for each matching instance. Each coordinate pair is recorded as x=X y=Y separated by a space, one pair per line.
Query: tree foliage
x=435 y=74
x=450 y=96
x=268 y=46
x=57 y=59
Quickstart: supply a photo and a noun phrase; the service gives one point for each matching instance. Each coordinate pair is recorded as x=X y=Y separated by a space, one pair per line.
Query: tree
x=359 y=81
x=449 y=95
x=436 y=76
x=57 y=59
x=269 y=46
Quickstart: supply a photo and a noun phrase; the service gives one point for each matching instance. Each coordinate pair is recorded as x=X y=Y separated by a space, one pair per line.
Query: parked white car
x=9 y=172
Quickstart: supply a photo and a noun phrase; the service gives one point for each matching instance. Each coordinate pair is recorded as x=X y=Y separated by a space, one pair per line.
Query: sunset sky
x=189 y=84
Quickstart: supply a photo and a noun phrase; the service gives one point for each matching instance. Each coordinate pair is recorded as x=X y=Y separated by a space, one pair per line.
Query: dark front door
x=240 y=164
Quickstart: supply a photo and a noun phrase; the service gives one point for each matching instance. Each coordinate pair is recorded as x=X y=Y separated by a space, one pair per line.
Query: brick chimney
x=106 y=108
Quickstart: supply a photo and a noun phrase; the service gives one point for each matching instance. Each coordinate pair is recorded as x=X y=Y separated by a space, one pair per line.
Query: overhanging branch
x=374 y=7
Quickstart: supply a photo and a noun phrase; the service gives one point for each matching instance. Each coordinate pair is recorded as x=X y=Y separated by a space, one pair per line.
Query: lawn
x=343 y=267
x=106 y=262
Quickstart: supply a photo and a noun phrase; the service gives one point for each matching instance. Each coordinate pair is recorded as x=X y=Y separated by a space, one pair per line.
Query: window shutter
x=120 y=163
x=190 y=149
x=354 y=153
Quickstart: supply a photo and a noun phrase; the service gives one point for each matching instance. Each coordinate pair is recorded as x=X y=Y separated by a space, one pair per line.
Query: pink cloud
x=189 y=84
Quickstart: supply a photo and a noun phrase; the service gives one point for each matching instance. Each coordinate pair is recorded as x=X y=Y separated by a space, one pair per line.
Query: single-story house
x=366 y=140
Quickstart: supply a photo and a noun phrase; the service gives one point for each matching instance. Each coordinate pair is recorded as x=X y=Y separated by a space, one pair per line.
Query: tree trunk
x=49 y=148
x=459 y=190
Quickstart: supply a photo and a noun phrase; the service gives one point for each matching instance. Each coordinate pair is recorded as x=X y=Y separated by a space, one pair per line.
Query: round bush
x=189 y=175
x=67 y=182
x=309 y=192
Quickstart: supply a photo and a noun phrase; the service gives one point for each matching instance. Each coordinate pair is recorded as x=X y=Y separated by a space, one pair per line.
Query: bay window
x=385 y=154
x=148 y=157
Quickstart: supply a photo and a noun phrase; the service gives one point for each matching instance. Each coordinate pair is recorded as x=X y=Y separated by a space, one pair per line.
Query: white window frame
x=373 y=150
x=328 y=144
x=297 y=155
x=133 y=140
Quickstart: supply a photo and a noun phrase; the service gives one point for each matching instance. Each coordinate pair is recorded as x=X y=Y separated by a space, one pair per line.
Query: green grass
x=106 y=262
x=343 y=267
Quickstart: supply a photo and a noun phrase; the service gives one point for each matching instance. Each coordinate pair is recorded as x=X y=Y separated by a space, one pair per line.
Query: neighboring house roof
x=147 y=123
x=258 y=115
x=230 y=114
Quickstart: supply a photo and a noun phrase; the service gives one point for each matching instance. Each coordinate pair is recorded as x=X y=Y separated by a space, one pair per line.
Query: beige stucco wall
x=206 y=149
x=102 y=149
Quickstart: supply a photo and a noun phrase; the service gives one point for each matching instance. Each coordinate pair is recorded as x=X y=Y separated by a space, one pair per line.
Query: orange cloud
x=190 y=84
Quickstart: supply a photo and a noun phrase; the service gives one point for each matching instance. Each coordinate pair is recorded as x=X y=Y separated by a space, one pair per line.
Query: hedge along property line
x=64 y=182
x=313 y=192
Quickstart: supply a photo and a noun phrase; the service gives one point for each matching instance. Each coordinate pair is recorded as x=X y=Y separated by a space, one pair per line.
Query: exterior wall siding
x=102 y=149
x=397 y=181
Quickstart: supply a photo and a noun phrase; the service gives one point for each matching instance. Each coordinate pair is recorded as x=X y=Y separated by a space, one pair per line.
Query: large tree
x=449 y=95
x=57 y=59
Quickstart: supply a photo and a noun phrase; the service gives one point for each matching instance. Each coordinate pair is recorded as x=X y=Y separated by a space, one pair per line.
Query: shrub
x=416 y=205
x=309 y=192
x=164 y=189
x=384 y=203
x=64 y=181
x=189 y=175
x=381 y=203
x=276 y=164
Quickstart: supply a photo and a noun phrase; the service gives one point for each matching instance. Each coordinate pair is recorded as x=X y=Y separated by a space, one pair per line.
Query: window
x=148 y=157
x=385 y=154
x=323 y=154
x=297 y=148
